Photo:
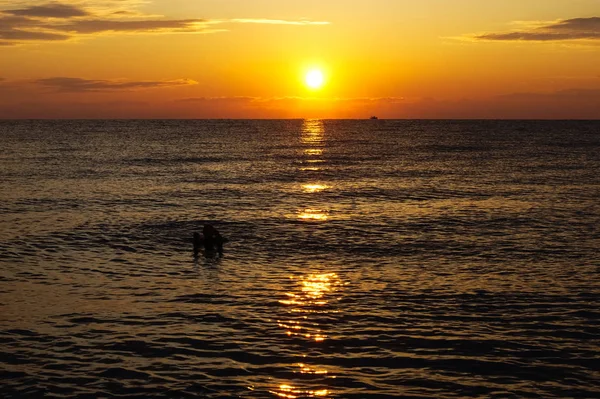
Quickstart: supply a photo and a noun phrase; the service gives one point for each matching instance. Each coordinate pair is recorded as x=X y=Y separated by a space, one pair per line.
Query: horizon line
x=300 y=119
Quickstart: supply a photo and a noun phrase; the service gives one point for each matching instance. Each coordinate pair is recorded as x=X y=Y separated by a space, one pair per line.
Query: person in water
x=210 y=239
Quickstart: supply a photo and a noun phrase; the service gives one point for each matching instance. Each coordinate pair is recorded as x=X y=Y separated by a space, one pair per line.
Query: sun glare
x=315 y=79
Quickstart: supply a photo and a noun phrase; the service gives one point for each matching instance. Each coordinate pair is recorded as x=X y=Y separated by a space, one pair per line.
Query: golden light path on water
x=313 y=214
x=314 y=188
x=310 y=168
x=312 y=132
x=313 y=138
x=313 y=152
x=314 y=294
x=290 y=392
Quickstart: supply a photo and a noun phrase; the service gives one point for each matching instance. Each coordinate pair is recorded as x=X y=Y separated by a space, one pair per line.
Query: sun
x=314 y=79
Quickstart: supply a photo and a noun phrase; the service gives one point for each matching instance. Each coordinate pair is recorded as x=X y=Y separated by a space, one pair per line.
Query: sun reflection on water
x=313 y=137
x=312 y=132
x=314 y=294
x=305 y=369
x=316 y=285
x=313 y=152
x=291 y=392
x=313 y=214
x=310 y=168
x=314 y=188
x=310 y=303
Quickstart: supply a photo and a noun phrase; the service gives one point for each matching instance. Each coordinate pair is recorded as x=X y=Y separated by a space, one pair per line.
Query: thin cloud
x=99 y=26
x=569 y=29
x=575 y=103
x=51 y=10
x=276 y=21
x=259 y=100
x=79 y=85
x=567 y=94
x=9 y=22
x=59 y=21
x=237 y=99
x=10 y=36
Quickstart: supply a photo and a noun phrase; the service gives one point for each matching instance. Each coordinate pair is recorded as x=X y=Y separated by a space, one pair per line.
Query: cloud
x=79 y=18
x=277 y=21
x=13 y=35
x=284 y=107
x=573 y=103
x=75 y=109
x=200 y=100
x=576 y=103
x=51 y=10
x=568 y=29
x=567 y=94
x=98 y=26
x=291 y=99
x=79 y=85
x=8 y=22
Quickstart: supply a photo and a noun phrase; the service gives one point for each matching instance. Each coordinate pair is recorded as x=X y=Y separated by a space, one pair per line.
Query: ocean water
x=366 y=259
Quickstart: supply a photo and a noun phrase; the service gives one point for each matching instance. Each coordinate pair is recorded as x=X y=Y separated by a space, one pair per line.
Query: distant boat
x=374 y=118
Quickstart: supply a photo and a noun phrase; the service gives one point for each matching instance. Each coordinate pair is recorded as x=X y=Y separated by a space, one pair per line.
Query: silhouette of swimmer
x=210 y=239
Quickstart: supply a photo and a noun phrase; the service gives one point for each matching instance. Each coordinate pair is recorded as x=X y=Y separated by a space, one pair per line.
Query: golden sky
x=249 y=58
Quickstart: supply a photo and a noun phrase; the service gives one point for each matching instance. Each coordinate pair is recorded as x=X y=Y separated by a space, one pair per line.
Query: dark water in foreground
x=368 y=259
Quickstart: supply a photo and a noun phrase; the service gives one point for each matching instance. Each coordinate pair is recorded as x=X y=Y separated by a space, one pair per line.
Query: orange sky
x=248 y=59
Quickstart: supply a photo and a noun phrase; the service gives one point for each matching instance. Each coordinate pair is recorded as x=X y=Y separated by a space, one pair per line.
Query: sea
x=366 y=259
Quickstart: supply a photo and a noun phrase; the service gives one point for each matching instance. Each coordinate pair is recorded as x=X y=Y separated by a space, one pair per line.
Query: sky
x=438 y=59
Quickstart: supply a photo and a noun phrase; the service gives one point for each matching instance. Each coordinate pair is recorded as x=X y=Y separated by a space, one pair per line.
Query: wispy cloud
x=99 y=26
x=276 y=21
x=27 y=101
x=51 y=10
x=79 y=85
x=285 y=107
x=235 y=99
x=9 y=37
x=566 y=94
x=568 y=29
x=56 y=21
x=271 y=100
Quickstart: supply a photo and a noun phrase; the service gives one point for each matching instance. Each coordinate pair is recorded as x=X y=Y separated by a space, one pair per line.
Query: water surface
x=367 y=259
